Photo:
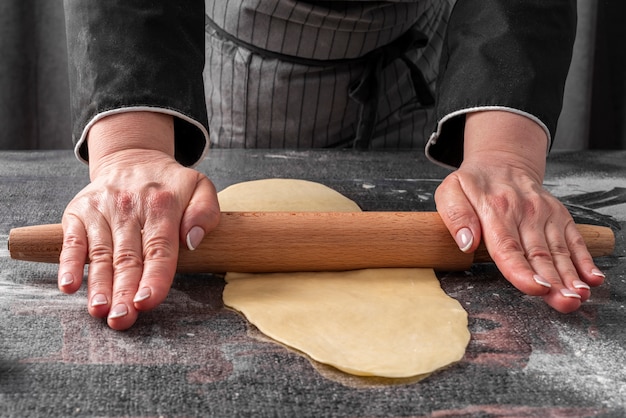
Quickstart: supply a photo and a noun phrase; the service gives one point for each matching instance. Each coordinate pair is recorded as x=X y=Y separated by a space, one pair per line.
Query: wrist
x=507 y=138
x=118 y=134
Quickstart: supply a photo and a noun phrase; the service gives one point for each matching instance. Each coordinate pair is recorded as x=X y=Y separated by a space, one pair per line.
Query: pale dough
x=283 y=195
x=381 y=322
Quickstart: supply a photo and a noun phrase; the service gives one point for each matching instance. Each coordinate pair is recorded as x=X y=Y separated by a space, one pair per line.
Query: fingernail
x=194 y=237
x=540 y=280
x=98 y=300
x=464 y=239
x=578 y=284
x=118 y=311
x=598 y=273
x=67 y=279
x=142 y=294
x=570 y=294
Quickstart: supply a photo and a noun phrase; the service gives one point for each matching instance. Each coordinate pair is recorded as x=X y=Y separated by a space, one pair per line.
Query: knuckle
x=73 y=241
x=101 y=253
x=508 y=247
x=73 y=251
x=127 y=260
x=500 y=202
x=574 y=237
x=95 y=200
x=455 y=215
x=124 y=202
x=161 y=200
x=509 y=201
x=560 y=249
x=122 y=293
x=531 y=208
x=539 y=253
x=158 y=248
x=509 y=244
x=578 y=242
x=125 y=205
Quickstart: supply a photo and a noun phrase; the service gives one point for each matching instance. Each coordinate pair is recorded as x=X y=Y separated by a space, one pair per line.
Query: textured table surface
x=193 y=357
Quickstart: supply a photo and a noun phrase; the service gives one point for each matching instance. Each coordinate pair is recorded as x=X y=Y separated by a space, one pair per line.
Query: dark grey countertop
x=193 y=357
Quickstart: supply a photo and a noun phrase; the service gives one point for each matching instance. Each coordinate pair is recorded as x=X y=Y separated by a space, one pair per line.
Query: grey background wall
x=34 y=97
x=34 y=101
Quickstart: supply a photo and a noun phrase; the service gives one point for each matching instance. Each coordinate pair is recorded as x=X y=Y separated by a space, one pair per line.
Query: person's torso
x=274 y=100
x=316 y=29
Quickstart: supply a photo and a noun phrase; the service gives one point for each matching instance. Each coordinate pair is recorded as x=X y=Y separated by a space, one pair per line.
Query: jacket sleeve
x=510 y=55
x=145 y=55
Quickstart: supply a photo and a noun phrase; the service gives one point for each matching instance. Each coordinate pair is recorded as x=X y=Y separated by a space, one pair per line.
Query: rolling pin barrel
x=285 y=241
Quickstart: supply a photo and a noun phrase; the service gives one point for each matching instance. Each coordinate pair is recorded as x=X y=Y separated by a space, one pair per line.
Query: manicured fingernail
x=540 y=280
x=597 y=273
x=570 y=294
x=118 y=311
x=578 y=284
x=142 y=294
x=194 y=237
x=67 y=279
x=98 y=300
x=464 y=239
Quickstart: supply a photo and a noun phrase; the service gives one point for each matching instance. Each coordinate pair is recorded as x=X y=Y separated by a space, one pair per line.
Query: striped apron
x=299 y=74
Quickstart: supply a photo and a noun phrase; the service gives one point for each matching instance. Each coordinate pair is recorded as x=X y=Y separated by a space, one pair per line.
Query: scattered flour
x=4 y=251
x=596 y=371
x=581 y=184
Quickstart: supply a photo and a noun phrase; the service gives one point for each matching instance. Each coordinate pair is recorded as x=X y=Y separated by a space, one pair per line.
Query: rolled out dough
x=392 y=323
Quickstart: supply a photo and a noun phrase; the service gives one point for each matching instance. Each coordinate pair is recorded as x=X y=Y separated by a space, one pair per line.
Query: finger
x=73 y=254
x=201 y=215
x=549 y=256
x=587 y=270
x=100 y=275
x=506 y=250
x=564 y=301
x=127 y=271
x=458 y=214
x=563 y=262
x=540 y=254
x=160 y=256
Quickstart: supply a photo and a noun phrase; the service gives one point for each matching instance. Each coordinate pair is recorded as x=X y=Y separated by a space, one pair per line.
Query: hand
x=496 y=195
x=131 y=218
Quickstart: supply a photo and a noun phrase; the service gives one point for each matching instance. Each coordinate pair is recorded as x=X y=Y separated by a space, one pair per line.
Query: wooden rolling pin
x=284 y=241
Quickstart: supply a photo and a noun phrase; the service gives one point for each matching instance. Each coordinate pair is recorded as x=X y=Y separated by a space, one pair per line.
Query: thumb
x=201 y=215
x=458 y=214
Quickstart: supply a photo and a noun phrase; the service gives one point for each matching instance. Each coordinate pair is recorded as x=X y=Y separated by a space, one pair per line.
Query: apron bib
x=290 y=74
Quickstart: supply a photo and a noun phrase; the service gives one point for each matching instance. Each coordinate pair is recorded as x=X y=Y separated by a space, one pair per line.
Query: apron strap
x=366 y=91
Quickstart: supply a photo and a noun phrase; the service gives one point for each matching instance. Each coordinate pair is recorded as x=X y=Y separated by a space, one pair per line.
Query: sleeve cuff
x=445 y=145
x=192 y=138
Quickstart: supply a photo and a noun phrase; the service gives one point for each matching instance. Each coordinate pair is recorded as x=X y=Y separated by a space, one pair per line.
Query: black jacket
x=510 y=54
